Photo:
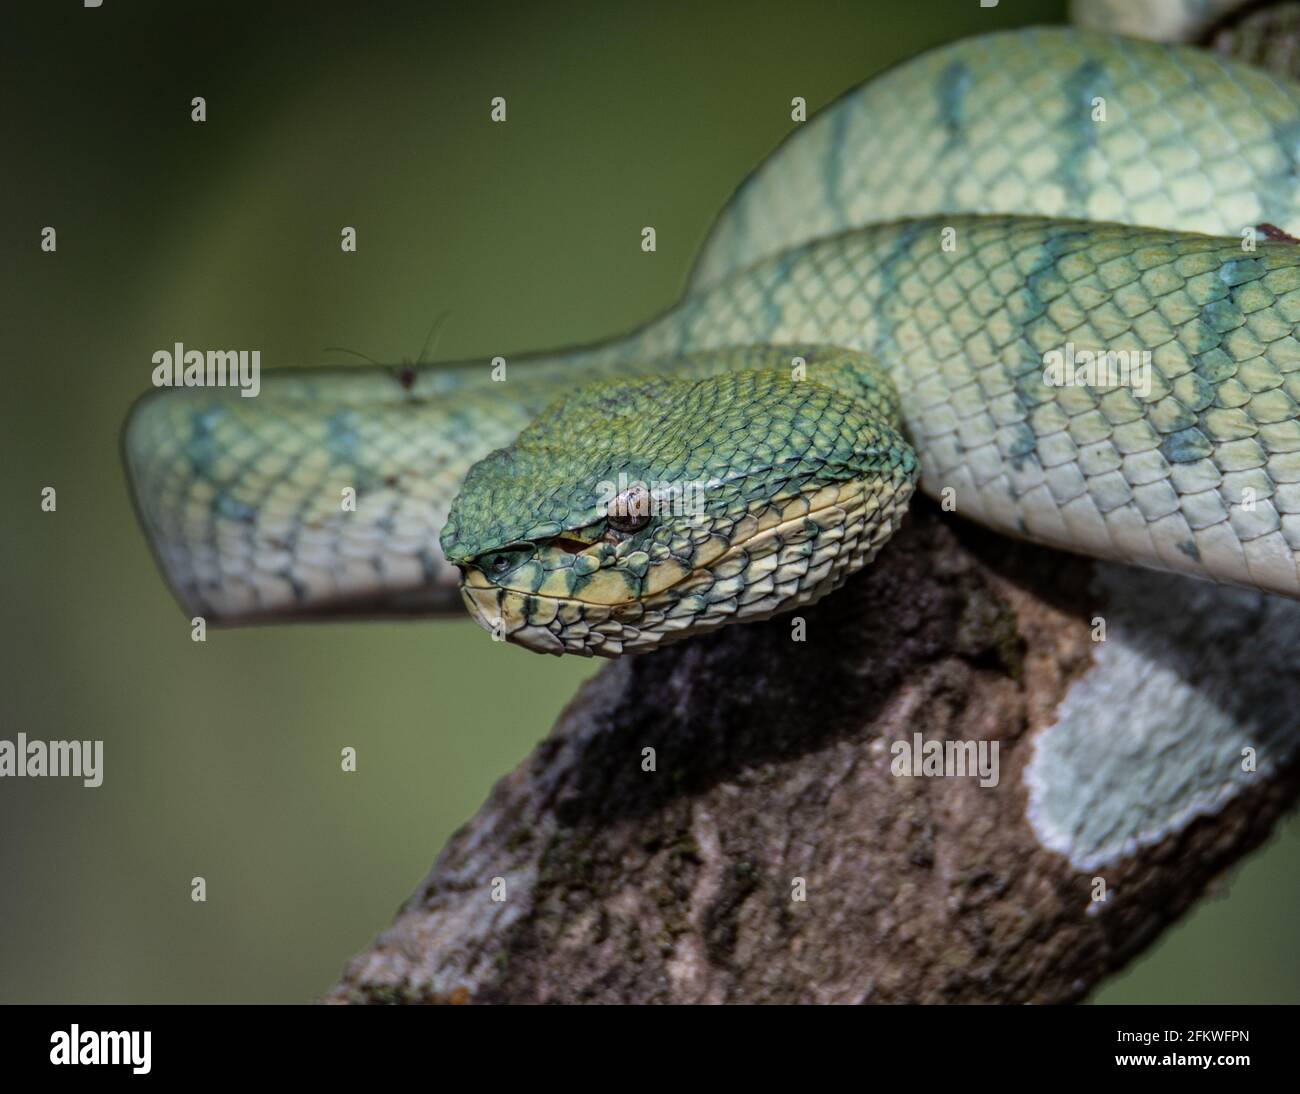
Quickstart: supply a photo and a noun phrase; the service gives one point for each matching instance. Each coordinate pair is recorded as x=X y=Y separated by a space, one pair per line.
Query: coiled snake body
x=1023 y=267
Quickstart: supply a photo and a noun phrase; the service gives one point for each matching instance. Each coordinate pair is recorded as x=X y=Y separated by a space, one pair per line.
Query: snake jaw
x=496 y=611
x=779 y=556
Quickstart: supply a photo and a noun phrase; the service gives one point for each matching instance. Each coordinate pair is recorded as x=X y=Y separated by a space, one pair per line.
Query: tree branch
x=773 y=763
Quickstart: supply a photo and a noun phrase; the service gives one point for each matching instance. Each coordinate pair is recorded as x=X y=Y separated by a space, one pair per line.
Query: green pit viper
x=874 y=309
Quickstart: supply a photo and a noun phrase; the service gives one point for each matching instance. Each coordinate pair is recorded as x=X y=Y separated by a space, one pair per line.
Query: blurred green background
x=222 y=759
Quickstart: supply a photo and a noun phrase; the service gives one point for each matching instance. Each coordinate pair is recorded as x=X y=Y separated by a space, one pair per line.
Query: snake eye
x=630 y=511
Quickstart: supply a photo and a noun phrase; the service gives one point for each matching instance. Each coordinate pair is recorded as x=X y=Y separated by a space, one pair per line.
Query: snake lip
x=767 y=565
x=529 y=635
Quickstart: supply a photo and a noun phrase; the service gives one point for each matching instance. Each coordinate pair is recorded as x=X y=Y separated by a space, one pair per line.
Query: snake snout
x=505 y=613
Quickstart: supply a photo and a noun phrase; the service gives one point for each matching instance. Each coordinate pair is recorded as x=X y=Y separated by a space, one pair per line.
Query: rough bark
x=773 y=762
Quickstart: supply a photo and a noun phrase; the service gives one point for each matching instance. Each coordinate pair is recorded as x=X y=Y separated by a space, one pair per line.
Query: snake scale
x=874 y=309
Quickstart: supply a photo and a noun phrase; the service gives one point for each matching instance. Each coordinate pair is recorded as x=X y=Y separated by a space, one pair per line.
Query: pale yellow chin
x=504 y=613
x=791 y=555
x=547 y=624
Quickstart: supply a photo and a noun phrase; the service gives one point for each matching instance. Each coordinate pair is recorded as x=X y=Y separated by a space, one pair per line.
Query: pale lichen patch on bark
x=1190 y=676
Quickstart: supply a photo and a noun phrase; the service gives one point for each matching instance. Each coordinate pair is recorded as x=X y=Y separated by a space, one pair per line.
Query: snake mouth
x=790 y=552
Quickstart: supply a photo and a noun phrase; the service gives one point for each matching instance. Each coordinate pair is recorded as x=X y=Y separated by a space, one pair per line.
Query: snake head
x=633 y=513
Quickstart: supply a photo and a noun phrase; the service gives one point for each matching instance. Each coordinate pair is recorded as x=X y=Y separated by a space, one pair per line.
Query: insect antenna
x=431 y=339
x=344 y=349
